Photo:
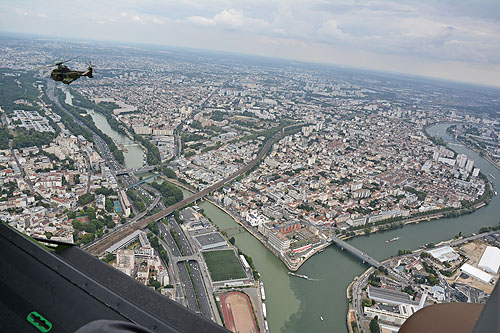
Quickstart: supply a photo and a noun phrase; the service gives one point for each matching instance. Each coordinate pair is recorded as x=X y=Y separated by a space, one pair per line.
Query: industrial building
x=211 y=241
x=444 y=254
x=396 y=306
x=476 y=273
x=193 y=219
x=388 y=296
x=490 y=260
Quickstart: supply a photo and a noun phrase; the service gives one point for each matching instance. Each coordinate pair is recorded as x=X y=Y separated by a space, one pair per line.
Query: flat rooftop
x=209 y=239
x=392 y=296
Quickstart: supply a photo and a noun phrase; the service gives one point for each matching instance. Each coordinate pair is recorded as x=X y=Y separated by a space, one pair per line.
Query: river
x=295 y=305
x=133 y=153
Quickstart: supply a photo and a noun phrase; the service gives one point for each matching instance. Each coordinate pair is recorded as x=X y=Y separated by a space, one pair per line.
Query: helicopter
x=65 y=75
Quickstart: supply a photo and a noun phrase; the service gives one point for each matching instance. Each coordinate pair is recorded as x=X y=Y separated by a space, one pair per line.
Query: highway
x=105 y=153
x=99 y=143
x=116 y=235
x=194 y=267
x=179 y=267
x=188 y=287
x=89 y=167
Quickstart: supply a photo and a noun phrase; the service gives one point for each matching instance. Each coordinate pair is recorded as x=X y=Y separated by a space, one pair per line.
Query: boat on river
x=392 y=240
x=491 y=176
x=262 y=293
x=298 y=275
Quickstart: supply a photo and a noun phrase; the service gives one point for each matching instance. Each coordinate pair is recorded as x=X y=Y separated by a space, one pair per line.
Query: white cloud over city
x=457 y=40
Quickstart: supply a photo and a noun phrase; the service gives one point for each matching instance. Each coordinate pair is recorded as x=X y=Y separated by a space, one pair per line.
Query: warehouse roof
x=388 y=296
x=443 y=254
x=476 y=273
x=490 y=261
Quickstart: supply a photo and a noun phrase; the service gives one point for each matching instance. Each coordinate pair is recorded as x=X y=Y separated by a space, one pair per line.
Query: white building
x=475 y=173
x=469 y=165
x=449 y=161
x=476 y=273
x=255 y=219
x=356 y=186
x=490 y=261
x=279 y=241
x=125 y=261
x=125 y=203
x=356 y=221
x=444 y=254
x=461 y=160
x=142 y=130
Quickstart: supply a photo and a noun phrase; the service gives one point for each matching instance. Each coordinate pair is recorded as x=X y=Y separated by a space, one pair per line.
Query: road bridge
x=193 y=257
x=135 y=170
x=143 y=181
x=357 y=253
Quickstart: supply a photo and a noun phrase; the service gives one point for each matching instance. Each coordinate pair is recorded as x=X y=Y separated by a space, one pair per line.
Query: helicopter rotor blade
x=62 y=62
x=42 y=67
x=65 y=54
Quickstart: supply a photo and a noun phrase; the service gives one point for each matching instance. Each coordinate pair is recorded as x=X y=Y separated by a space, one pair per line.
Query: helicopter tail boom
x=88 y=73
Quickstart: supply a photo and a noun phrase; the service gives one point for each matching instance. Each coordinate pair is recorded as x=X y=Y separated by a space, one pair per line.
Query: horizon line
x=407 y=75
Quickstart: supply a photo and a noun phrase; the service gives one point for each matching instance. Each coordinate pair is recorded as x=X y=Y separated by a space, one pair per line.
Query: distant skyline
x=455 y=40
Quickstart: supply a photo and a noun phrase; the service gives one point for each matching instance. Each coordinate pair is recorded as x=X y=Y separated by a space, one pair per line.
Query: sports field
x=223 y=265
x=237 y=313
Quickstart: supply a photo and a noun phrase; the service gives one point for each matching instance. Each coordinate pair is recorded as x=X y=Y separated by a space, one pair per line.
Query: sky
x=449 y=39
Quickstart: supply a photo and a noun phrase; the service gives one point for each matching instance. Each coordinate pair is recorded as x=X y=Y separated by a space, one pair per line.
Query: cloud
x=22 y=12
x=227 y=18
x=330 y=28
x=447 y=30
x=137 y=18
x=232 y=18
x=201 y=21
x=158 y=20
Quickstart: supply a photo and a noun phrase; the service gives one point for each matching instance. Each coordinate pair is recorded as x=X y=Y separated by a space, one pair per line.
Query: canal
x=132 y=152
x=295 y=305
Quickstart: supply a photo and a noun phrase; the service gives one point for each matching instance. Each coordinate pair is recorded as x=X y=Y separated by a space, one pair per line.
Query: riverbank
x=252 y=231
x=359 y=283
x=294 y=304
x=296 y=266
x=132 y=155
x=351 y=320
x=446 y=211
x=481 y=152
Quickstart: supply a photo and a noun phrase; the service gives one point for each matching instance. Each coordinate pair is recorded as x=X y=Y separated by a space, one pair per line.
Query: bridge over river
x=357 y=253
